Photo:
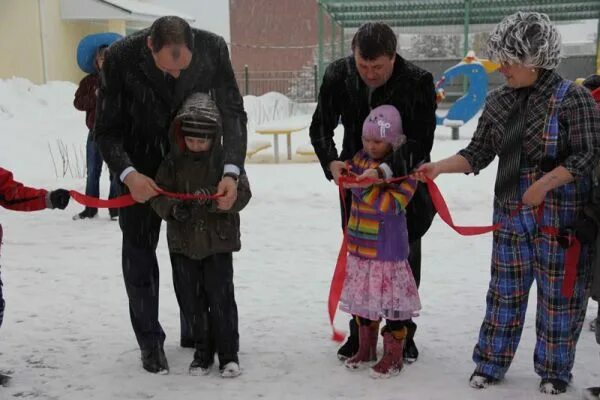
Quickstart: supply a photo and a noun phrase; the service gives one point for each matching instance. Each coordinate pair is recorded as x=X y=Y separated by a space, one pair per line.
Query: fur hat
x=526 y=38
x=384 y=123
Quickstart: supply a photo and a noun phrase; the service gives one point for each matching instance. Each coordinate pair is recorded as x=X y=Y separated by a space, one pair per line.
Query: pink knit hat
x=384 y=123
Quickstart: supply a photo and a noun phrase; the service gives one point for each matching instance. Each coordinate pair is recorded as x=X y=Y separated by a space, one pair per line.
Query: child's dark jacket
x=209 y=231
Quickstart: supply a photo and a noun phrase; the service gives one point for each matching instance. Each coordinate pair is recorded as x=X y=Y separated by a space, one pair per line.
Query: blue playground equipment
x=88 y=46
x=465 y=108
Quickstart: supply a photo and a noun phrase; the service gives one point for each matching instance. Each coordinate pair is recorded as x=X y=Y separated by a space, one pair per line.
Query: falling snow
x=67 y=334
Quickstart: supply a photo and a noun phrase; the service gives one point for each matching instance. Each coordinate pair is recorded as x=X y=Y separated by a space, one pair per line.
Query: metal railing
x=300 y=86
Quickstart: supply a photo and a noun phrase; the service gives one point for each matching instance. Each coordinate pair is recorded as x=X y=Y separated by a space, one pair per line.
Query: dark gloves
x=182 y=211
x=58 y=198
x=586 y=229
x=203 y=192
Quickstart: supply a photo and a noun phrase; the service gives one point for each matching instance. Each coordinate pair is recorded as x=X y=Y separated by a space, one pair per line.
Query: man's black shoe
x=349 y=348
x=4 y=380
x=155 y=361
x=410 y=352
x=86 y=213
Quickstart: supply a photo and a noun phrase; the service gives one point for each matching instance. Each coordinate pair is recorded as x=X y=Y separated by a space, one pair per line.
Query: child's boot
x=367 y=345
x=229 y=366
x=203 y=361
x=392 y=361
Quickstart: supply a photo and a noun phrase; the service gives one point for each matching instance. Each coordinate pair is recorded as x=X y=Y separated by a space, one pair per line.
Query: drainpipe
x=42 y=9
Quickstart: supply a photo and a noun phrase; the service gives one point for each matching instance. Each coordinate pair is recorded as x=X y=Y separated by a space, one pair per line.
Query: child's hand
x=203 y=192
x=364 y=180
x=182 y=211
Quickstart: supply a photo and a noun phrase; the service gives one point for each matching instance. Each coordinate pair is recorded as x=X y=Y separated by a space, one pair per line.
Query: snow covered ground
x=67 y=335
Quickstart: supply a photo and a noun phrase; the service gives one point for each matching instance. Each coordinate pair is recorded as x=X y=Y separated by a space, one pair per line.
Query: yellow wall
x=62 y=38
x=20 y=42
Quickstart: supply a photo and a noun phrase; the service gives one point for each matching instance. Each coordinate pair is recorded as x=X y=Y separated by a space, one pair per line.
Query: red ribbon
x=127 y=200
x=339 y=275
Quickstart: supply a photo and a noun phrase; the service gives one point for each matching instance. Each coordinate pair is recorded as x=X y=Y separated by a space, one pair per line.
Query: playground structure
x=349 y=14
x=476 y=72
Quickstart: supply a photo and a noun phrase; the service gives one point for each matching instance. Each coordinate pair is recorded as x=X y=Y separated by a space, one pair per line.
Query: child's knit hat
x=199 y=128
x=199 y=116
x=384 y=123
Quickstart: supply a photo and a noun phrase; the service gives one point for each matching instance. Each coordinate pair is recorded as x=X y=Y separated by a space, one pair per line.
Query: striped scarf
x=507 y=179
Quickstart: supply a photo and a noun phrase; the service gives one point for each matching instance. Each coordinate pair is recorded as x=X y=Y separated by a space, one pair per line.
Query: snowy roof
x=128 y=10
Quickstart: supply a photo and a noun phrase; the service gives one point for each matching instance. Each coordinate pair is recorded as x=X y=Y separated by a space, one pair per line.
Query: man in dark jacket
x=351 y=87
x=145 y=78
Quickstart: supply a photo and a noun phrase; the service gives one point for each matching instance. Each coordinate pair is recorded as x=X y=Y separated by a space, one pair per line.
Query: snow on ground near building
x=67 y=335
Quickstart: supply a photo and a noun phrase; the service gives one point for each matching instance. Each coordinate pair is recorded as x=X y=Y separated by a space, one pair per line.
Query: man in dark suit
x=374 y=75
x=144 y=79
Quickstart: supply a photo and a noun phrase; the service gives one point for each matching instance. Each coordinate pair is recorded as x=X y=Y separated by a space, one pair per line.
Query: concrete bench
x=255 y=147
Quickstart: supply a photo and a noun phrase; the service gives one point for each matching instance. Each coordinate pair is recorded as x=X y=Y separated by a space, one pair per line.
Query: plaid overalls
x=521 y=253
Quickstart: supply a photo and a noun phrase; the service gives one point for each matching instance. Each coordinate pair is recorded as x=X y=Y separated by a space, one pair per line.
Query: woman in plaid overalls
x=545 y=131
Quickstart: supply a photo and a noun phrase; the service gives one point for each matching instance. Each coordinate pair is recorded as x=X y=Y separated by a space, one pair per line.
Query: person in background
x=85 y=100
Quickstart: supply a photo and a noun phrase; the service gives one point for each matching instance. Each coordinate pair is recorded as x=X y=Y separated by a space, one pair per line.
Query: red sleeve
x=85 y=96
x=15 y=196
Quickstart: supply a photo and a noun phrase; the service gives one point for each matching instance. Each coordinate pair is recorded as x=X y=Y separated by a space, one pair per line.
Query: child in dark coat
x=201 y=236
x=15 y=196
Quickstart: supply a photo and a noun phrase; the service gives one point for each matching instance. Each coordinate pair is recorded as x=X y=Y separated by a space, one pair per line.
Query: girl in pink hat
x=379 y=282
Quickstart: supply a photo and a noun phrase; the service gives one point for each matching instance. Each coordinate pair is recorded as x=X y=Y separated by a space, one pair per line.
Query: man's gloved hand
x=586 y=229
x=59 y=198
x=182 y=211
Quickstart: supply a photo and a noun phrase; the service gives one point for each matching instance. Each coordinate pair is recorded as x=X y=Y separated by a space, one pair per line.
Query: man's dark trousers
x=141 y=227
